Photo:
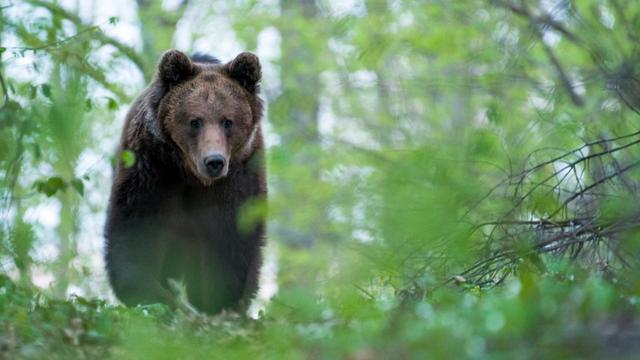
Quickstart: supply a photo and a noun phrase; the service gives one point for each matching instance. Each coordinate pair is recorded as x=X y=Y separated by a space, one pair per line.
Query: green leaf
x=50 y=186
x=37 y=151
x=112 y=104
x=22 y=239
x=493 y=114
x=46 y=90
x=2 y=49
x=251 y=214
x=78 y=185
x=33 y=91
x=113 y=20
x=128 y=158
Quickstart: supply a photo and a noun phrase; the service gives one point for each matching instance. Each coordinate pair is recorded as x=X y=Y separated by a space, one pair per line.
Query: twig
x=596 y=183
x=56 y=43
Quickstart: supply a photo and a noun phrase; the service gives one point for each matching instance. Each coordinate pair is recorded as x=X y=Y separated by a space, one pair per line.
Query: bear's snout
x=214 y=164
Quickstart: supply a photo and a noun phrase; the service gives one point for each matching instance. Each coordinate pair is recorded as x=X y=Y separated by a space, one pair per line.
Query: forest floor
x=535 y=318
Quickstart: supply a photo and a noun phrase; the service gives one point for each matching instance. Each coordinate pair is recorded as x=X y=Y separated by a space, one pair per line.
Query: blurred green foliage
x=564 y=314
x=447 y=178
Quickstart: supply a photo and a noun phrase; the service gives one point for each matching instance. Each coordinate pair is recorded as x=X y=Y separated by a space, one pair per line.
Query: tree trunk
x=157 y=27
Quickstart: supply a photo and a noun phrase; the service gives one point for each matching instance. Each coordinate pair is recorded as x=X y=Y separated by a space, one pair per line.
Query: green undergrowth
x=564 y=313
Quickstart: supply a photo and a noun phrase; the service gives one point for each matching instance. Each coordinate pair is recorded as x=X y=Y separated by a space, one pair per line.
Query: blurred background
x=446 y=177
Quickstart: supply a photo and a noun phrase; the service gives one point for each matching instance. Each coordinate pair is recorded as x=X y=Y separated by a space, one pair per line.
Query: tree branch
x=126 y=50
x=564 y=78
x=544 y=20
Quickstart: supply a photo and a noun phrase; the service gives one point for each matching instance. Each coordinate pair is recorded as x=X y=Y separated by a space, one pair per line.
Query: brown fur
x=168 y=218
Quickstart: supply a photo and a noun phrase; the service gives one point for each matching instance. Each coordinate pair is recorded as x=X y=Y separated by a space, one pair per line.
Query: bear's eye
x=227 y=123
x=196 y=123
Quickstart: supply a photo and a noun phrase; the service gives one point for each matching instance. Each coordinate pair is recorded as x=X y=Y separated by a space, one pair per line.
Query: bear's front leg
x=134 y=271
x=212 y=284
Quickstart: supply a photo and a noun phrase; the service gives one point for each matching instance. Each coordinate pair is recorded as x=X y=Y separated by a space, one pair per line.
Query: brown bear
x=198 y=145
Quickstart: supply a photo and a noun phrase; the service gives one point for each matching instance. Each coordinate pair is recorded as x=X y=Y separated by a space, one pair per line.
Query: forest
x=452 y=179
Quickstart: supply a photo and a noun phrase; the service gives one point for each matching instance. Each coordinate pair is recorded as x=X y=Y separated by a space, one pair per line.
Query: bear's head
x=211 y=112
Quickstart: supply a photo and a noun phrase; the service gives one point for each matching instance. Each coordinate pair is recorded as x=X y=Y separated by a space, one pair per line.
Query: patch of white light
x=340 y=127
x=540 y=103
x=406 y=19
x=46 y=213
x=341 y=51
x=337 y=214
x=606 y=17
x=99 y=12
x=171 y=4
x=363 y=78
x=610 y=105
x=550 y=38
x=480 y=118
x=326 y=119
x=95 y=163
x=347 y=7
x=268 y=281
x=356 y=213
x=41 y=277
x=268 y=50
x=362 y=235
x=207 y=32
x=74 y=290
x=506 y=34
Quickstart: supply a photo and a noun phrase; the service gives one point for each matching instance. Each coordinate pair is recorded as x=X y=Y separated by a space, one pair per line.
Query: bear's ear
x=175 y=67
x=245 y=69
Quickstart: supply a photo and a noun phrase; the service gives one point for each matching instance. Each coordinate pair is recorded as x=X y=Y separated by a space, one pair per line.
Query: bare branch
x=617 y=173
x=544 y=20
x=564 y=78
x=574 y=232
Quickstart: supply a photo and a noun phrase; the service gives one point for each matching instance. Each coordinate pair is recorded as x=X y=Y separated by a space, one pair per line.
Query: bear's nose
x=214 y=164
